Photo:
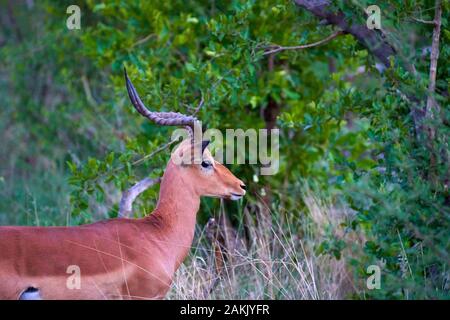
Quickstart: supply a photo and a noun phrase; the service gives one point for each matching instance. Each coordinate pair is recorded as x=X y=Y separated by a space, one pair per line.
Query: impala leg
x=30 y=294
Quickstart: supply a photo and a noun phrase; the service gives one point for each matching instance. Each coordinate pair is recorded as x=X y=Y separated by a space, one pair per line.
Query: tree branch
x=143 y=40
x=434 y=56
x=13 y=21
x=277 y=48
x=199 y=106
x=424 y=21
x=373 y=40
x=87 y=90
x=128 y=196
x=145 y=158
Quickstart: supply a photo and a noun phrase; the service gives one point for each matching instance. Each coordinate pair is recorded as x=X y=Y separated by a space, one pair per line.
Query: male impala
x=118 y=258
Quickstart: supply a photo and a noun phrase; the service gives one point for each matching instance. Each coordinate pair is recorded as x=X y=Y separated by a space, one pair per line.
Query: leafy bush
x=349 y=126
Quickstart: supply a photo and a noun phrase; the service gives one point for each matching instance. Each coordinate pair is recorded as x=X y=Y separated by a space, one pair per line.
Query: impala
x=118 y=258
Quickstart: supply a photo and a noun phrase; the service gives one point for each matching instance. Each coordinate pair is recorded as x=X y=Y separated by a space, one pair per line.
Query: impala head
x=206 y=177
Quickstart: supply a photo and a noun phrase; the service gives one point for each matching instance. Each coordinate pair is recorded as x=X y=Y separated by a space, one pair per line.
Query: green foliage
x=345 y=126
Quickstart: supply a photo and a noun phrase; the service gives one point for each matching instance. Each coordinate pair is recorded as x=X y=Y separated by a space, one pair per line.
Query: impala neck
x=176 y=211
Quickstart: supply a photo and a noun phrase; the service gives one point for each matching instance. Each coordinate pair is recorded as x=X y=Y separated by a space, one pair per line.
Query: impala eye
x=206 y=164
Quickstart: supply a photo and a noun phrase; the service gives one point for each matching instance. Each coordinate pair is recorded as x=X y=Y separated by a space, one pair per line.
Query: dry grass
x=268 y=260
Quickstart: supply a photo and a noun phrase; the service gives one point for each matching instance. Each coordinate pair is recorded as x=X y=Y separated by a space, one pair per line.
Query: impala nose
x=237 y=196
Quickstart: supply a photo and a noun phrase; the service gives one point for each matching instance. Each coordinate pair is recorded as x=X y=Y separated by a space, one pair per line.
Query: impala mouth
x=236 y=196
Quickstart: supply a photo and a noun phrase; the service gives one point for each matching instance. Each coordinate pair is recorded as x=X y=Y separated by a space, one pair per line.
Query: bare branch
x=276 y=48
x=143 y=40
x=212 y=233
x=424 y=21
x=87 y=90
x=434 y=56
x=199 y=106
x=145 y=158
x=373 y=40
x=432 y=107
x=128 y=197
x=13 y=21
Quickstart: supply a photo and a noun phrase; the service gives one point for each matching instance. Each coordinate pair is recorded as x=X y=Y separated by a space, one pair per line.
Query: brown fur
x=118 y=258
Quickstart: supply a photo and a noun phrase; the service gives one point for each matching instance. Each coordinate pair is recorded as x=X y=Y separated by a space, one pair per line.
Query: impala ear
x=205 y=143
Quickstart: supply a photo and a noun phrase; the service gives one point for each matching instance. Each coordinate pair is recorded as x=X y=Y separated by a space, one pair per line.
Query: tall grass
x=271 y=259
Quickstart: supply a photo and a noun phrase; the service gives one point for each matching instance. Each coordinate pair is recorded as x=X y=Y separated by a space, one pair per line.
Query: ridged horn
x=161 y=118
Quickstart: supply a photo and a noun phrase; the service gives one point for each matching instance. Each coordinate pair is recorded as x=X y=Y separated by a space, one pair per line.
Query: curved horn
x=161 y=118
x=205 y=143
